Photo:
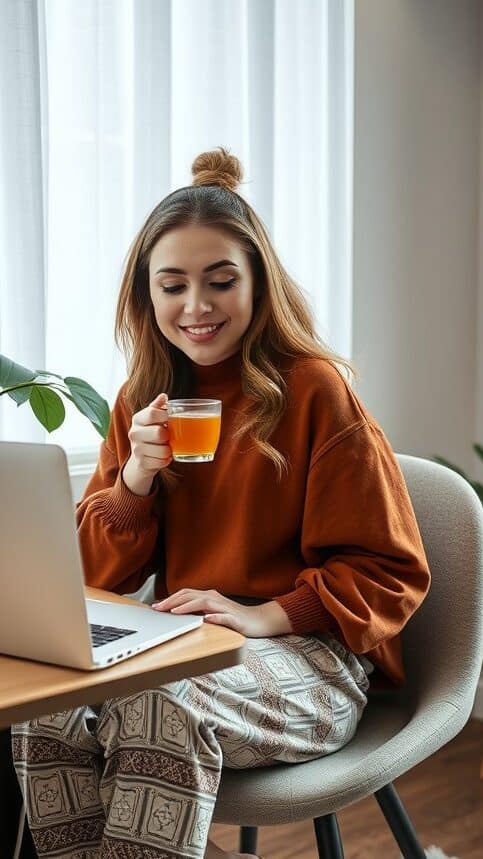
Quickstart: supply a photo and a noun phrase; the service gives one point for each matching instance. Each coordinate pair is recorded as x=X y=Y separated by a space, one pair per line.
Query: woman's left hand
x=253 y=621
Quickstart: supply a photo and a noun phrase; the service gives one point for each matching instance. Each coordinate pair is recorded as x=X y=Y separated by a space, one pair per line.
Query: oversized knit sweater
x=336 y=543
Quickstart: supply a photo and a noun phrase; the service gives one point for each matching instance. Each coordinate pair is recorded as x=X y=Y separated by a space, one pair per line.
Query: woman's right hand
x=150 y=448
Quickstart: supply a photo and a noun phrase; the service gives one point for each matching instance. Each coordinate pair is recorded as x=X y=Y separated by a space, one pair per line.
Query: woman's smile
x=201 y=334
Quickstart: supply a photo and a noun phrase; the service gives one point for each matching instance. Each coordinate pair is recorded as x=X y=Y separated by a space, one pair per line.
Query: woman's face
x=200 y=277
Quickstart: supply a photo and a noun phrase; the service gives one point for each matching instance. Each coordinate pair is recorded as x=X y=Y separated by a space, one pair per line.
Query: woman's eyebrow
x=211 y=267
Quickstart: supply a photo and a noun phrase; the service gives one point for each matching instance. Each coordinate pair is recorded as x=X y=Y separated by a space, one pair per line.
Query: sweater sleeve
x=366 y=571
x=117 y=530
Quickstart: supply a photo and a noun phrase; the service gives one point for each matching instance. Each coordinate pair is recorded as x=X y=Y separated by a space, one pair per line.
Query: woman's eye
x=226 y=284
x=173 y=288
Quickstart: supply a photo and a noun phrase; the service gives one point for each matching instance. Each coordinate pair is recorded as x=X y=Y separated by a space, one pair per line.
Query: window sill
x=81 y=464
x=82 y=460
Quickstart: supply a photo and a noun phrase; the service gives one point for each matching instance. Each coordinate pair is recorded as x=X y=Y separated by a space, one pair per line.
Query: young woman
x=300 y=534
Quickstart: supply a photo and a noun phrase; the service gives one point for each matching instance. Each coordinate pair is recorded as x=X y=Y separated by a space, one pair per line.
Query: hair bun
x=217 y=167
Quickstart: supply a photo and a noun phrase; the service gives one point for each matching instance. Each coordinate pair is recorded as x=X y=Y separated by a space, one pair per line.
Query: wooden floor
x=443 y=797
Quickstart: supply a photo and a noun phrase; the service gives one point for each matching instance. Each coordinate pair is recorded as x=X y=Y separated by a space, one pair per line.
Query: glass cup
x=194 y=429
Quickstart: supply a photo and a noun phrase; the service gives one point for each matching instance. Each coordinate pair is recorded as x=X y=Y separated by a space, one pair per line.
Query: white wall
x=416 y=166
x=418 y=255
x=479 y=307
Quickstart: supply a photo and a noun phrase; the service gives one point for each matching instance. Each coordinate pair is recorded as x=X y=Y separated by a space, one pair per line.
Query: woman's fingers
x=155 y=450
x=187 y=607
x=216 y=609
x=159 y=398
x=149 y=437
x=156 y=434
x=156 y=412
x=229 y=620
x=187 y=600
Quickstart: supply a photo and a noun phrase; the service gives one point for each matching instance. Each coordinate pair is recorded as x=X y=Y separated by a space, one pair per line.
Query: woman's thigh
x=293 y=698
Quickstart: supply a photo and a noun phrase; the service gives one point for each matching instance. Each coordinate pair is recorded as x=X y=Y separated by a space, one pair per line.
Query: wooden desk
x=29 y=689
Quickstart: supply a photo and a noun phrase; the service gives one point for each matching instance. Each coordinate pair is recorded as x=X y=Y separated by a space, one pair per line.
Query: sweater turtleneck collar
x=222 y=373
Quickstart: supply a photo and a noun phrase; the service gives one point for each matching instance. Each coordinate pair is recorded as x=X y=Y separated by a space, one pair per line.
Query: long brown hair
x=282 y=323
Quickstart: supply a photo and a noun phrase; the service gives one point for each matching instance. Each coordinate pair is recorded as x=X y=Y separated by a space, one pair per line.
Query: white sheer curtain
x=104 y=104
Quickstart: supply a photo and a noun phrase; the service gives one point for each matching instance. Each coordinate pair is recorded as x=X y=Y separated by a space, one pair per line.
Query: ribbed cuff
x=124 y=510
x=305 y=610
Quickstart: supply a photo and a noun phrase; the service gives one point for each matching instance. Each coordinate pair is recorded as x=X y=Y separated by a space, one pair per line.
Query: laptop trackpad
x=142 y=620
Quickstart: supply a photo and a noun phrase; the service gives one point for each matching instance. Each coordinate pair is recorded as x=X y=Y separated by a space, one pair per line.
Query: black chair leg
x=329 y=843
x=248 y=839
x=11 y=804
x=399 y=822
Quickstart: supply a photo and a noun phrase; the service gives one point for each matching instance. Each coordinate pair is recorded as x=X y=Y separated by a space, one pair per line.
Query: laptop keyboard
x=105 y=634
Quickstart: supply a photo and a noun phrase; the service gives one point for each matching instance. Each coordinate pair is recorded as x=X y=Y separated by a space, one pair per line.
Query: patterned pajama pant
x=137 y=777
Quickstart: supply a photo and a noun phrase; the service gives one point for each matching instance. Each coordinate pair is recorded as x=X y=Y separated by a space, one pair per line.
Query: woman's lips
x=202 y=338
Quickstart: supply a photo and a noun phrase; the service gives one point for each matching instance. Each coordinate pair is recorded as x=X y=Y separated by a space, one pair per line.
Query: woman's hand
x=150 y=447
x=253 y=621
x=149 y=437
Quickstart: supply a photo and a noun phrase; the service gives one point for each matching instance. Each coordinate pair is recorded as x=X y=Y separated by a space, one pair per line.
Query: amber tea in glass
x=194 y=429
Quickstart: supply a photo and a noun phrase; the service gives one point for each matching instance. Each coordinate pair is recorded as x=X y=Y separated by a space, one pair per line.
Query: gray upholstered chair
x=442 y=646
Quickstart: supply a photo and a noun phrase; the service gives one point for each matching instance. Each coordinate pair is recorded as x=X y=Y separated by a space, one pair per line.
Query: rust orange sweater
x=336 y=543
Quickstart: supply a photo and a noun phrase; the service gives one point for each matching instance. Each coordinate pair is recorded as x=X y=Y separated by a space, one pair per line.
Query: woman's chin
x=205 y=360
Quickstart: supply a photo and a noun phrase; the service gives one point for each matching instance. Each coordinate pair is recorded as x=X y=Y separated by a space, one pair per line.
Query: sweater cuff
x=125 y=510
x=305 y=610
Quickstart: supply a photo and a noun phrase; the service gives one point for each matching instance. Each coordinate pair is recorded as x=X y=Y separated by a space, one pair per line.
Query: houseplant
x=40 y=388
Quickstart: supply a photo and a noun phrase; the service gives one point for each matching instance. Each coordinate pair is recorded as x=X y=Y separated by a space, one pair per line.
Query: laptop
x=44 y=614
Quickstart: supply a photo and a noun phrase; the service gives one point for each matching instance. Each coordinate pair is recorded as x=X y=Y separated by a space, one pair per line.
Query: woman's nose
x=197 y=304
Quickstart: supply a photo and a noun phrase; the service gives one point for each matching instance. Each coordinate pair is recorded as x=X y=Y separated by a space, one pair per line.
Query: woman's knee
x=149 y=716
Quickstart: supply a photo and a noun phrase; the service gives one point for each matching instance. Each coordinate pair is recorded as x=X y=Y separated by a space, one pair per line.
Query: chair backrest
x=443 y=641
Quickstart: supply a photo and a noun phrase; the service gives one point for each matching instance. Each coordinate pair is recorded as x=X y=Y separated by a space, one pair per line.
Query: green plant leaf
x=90 y=403
x=12 y=373
x=95 y=422
x=478 y=448
x=45 y=403
x=47 y=374
x=47 y=407
x=15 y=374
x=450 y=465
x=21 y=396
